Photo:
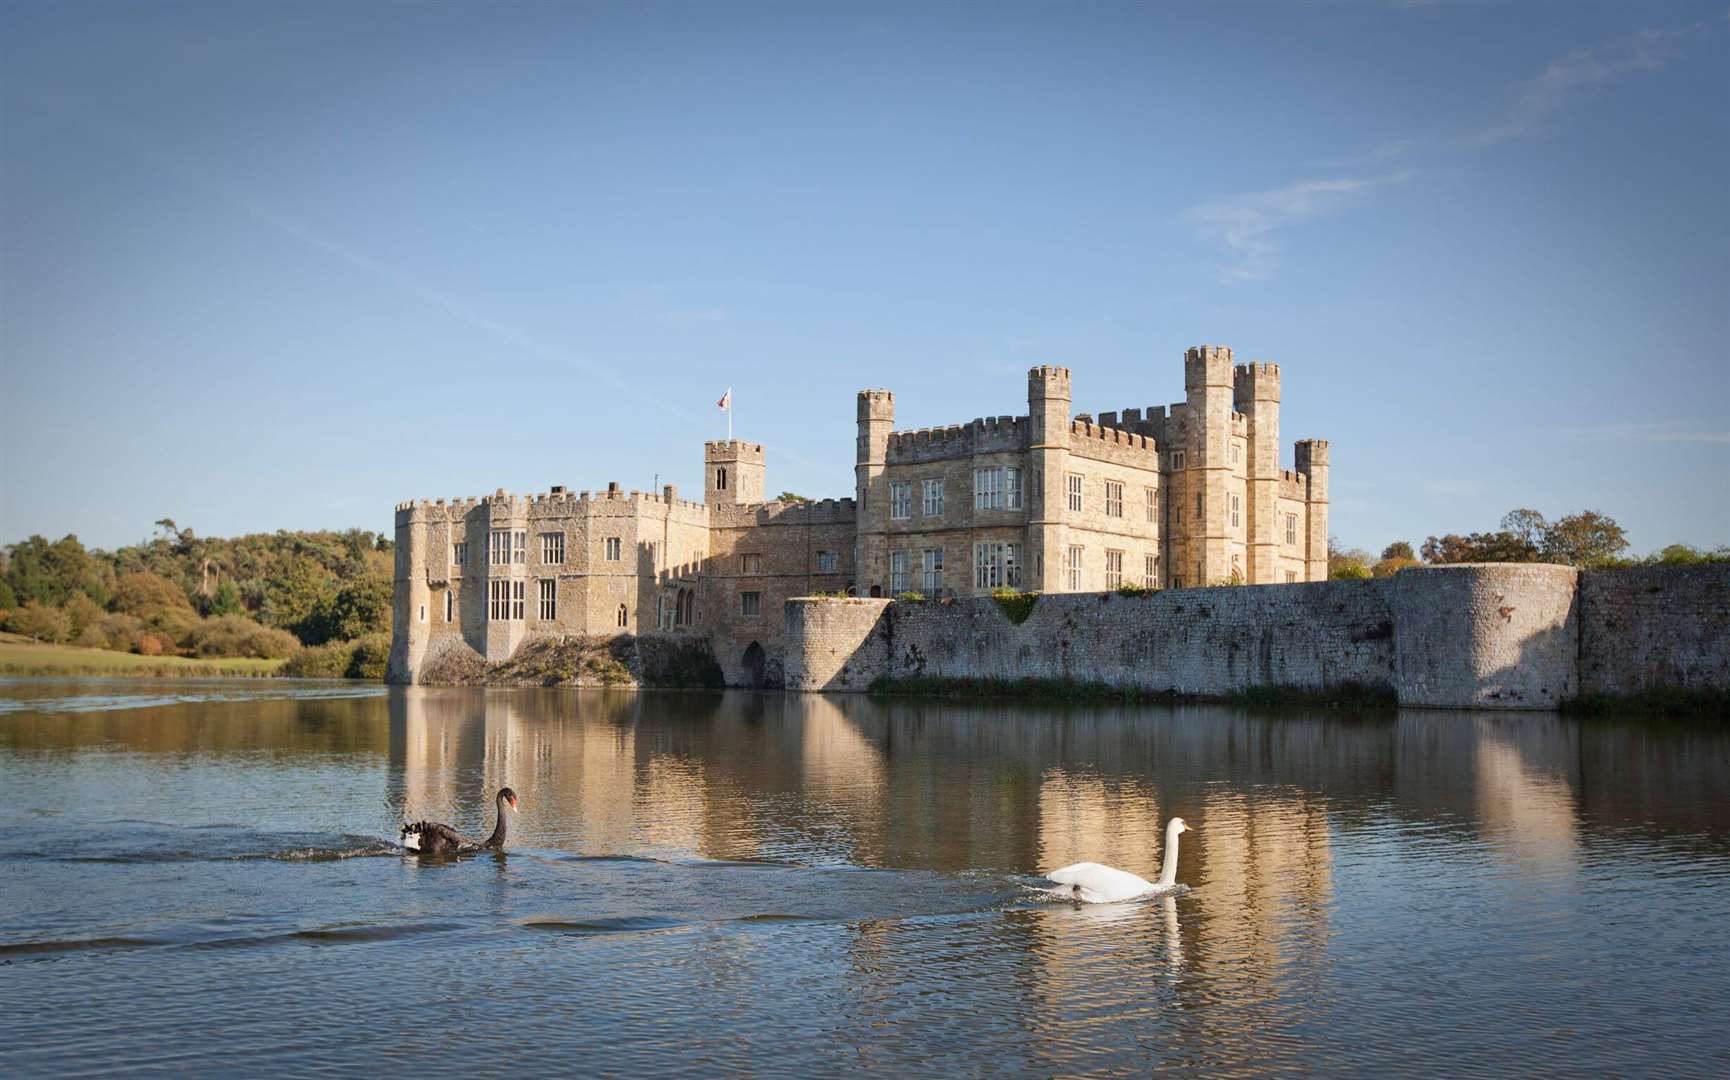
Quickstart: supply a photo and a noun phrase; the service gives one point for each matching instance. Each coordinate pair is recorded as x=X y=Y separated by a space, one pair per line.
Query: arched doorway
x=753 y=663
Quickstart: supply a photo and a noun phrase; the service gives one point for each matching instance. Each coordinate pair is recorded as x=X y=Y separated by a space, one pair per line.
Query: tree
x=359 y=608
x=1528 y=526
x=1388 y=567
x=1355 y=561
x=159 y=603
x=83 y=612
x=52 y=572
x=226 y=600
x=789 y=496
x=1478 y=547
x=1399 y=549
x=1584 y=539
x=39 y=622
x=7 y=599
x=294 y=594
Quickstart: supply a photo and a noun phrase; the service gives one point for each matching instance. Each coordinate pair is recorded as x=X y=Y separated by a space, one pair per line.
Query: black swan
x=432 y=838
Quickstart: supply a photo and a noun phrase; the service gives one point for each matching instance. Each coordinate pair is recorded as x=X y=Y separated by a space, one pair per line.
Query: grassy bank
x=20 y=656
x=1353 y=696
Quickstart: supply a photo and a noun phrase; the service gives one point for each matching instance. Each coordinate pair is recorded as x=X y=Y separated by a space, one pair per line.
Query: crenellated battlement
x=876 y=404
x=732 y=450
x=985 y=434
x=1207 y=366
x=1048 y=381
x=1257 y=381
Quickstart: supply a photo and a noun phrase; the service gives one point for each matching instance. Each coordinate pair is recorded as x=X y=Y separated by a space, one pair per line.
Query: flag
x=726 y=401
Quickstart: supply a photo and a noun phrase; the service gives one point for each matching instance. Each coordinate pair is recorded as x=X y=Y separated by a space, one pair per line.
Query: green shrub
x=1017 y=606
x=115 y=631
x=329 y=661
x=911 y=596
x=235 y=635
x=1137 y=590
x=39 y=622
x=369 y=656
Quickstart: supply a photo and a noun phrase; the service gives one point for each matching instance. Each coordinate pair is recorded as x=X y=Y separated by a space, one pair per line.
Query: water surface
x=203 y=877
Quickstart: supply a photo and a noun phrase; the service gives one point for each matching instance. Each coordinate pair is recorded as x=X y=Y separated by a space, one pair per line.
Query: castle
x=1167 y=497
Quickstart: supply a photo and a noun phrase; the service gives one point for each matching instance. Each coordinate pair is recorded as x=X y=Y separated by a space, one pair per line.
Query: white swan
x=1098 y=884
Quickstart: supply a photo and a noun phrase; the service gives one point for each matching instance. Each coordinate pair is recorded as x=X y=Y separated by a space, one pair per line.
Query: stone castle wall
x=1654 y=626
x=1492 y=636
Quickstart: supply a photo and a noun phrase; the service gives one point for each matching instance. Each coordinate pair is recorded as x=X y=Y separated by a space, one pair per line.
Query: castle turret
x=411 y=596
x=1312 y=461
x=1256 y=394
x=876 y=415
x=1209 y=388
x=732 y=473
x=1048 y=398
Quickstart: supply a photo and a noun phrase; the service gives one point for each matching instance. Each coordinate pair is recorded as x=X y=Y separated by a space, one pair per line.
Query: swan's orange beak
x=515 y=809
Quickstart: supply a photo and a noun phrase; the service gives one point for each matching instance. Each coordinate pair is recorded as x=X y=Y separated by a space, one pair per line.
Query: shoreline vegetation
x=20 y=657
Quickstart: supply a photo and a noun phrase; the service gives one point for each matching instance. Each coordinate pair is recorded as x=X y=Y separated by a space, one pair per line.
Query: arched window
x=720 y=479
x=624 y=615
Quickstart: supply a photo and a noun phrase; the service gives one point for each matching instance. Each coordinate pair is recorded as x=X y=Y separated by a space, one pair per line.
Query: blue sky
x=282 y=266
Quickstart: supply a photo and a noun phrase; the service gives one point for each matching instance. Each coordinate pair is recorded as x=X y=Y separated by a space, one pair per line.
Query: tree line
x=266 y=594
x=1586 y=538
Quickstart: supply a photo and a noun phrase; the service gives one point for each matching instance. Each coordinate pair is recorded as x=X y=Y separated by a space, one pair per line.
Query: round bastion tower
x=871 y=493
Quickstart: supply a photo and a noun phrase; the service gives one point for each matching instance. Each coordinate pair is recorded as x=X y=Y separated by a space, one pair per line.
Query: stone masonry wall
x=1492 y=636
x=1654 y=626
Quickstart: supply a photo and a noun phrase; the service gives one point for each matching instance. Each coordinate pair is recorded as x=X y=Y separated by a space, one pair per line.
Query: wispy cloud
x=1249 y=224
x=1564 y=78
x=1664 y=431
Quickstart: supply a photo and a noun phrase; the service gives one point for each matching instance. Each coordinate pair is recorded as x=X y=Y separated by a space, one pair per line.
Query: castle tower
x=411 y=596
x=1048 y=398
x=1312 y=461
x=732 y=473
x=1208 y=388
x=1256 y=395
x=871 y=495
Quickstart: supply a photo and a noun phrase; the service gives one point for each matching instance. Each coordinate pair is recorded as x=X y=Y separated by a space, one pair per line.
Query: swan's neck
x=1168 y=872
x=497 y=839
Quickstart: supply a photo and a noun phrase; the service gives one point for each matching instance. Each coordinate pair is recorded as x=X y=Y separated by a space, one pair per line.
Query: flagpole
x=729 y=414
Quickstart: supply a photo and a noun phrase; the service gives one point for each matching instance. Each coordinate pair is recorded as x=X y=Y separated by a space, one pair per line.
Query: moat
x=198 y=877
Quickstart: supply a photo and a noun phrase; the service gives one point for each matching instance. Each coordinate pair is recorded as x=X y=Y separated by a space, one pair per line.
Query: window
x=932 y=561
x=1291 y=577
x=459 y=553
x=1236 y=567
x=1075 y=491
x=900 y=499
x=520 y=547
x=1177 y=459
x=553 y=548
x=614 y=549
x=932 y=503
x=450 y=606
x=1152 y=498
x=1074 y=569
x=1198 y=516
x=828 y=562
x=1234 y=509
x=750 y=562
x=900 y=576
x=499 y=547
x=1176 y=513
x=996 y=566
x=720 y=479
x=750 y=603
x=1234 y=453
x=423 y=613
x=987 y=489
x=1291 y=528
x=1012 y=487
x=624 y=615
x=504 y=599
x=549 y=600
x=1113 y=499
x=1150 y=578
x=1114 y=569
x=1177 y=581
